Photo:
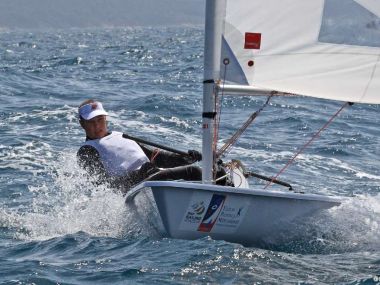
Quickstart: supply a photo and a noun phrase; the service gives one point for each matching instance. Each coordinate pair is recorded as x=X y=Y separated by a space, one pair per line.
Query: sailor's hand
x=195 y=155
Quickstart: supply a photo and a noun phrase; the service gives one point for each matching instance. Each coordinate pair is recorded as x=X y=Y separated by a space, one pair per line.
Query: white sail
x=321 y=48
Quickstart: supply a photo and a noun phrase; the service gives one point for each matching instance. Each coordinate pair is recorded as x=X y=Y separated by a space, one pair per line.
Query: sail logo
x=213 y=210
x=252 y=41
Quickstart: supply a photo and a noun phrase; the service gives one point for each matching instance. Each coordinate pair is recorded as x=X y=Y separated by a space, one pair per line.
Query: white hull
x=245 y=216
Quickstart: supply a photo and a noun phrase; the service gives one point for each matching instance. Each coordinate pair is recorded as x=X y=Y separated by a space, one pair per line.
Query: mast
x=215 y=12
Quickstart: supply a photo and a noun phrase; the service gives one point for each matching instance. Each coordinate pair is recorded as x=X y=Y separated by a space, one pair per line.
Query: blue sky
x=47 y=14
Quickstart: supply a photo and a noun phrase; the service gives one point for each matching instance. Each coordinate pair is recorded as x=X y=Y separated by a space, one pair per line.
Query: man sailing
x=121 y=162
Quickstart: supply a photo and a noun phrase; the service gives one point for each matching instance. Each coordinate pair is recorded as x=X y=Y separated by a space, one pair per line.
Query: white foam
x=355 y=224
x=30 y=156
x=69 y=204
x=178 y=122
x=350 y=227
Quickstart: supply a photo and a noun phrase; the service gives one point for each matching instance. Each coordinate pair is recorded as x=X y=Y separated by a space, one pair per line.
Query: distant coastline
x=63 y=14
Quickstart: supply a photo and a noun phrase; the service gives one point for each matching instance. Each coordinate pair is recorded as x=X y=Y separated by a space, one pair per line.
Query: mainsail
x=321 y=48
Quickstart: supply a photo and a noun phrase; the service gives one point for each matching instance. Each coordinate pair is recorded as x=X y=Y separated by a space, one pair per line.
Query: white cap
x=91 y=110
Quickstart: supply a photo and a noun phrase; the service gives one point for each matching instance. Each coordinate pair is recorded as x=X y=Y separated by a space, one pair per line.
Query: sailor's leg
x=189 y=173
x=221 y=176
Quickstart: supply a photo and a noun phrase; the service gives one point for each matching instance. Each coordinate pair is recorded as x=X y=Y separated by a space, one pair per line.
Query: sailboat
x=269 y=48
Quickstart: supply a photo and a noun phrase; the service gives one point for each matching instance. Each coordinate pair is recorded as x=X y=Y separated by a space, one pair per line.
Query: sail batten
x=310 y=48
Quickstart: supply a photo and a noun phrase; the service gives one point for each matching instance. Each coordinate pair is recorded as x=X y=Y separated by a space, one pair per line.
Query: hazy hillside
x=88 y=13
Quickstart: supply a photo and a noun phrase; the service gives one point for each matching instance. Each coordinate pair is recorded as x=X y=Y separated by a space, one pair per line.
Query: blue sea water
x=56 y=228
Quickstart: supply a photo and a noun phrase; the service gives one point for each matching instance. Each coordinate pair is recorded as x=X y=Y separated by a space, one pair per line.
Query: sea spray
x=70 y=202
x=350 y=227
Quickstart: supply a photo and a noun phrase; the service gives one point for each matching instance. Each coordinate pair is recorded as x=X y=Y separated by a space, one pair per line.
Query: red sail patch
x=252 y=41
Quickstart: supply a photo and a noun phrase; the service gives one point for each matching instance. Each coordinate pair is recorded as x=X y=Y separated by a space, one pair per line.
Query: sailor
x=121 y=162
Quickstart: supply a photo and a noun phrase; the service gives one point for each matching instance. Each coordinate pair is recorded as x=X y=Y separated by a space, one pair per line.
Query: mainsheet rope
x=308 y=143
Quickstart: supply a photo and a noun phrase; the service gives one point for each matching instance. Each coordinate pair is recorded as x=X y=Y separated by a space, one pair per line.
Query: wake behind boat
x=272 y=48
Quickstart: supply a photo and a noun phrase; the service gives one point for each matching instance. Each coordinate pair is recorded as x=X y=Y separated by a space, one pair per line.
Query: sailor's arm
x=89 y=159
